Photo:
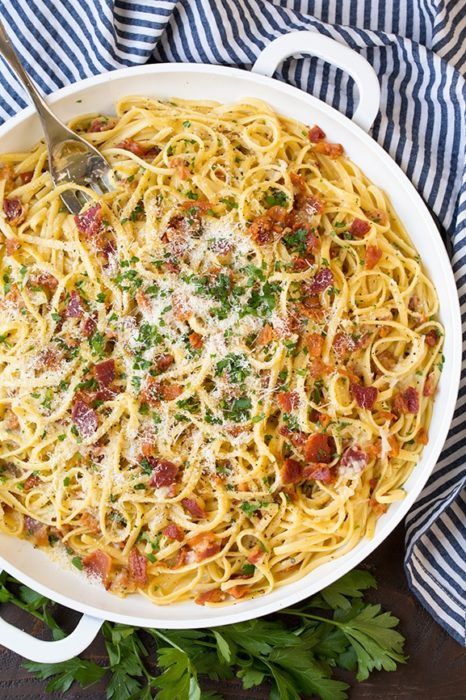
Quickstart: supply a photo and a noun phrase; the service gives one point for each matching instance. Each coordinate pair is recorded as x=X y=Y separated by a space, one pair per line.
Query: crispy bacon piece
x=105 y=372
x=372 y=257
x=15 y=211
x=394 y=446
x=422 y=436
x=201 y=205
x=291 y=471
x=387 y=358
x=75 y=307
x=320 y=281
x=265 y=336
x=359 y=228
x=317 y=368
x=37 y=531
x=342 y=344
x=430 y=385
x=89 y=222
x=432 y=338
x=195 y=341
x=84 y=418
x=133 y=146
x=379 y=216
x=255 y=555
x=26 y=177
x=99 y=563
x=299 y=182
x=164 y=473
x=11 y=420
x=191 y=505
x=170 y=392
x=179 y=164
x=332 y=150
x=413 y=303
x=137 y=567
x=173 y=532
x=288 y=400
x=90 y=522
x=100 y=124
x=365 y=396
x=319 y=447
x=239 y=591
x=406 y=401
x=44 y=279
x=31 y=482
x=143 y=301
x=354 y=458
x=315 y=134
x=165 y=361
x=48 y=358
x=318 y=472
x=215 y=595
x=378 y=508
x=205 y=545
x=12 y=245
x=89 y=326
x=315 y=343
x=151 y=391
x=297 y=438
x=181 y=309
x=267 y=227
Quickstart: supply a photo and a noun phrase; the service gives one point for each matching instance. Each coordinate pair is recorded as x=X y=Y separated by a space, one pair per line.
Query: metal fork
x=71 y=158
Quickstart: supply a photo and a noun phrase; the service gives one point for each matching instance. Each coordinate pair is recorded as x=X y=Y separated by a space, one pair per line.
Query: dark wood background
x=436 y=669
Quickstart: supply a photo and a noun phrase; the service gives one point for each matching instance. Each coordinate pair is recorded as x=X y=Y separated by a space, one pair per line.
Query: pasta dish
x=218 y=375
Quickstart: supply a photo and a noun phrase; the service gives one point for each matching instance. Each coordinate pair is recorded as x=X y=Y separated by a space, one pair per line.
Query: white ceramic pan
x=99 y=94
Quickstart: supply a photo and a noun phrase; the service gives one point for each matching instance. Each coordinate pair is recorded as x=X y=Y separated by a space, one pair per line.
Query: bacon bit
x=373 y=484
x=75 y=307
x=324 y=419
x=359 y=228
x=193 y=507
x=406 y=401
x=14 y=297
x=11 y=420
x=288 y=400
x=298 y=438
x=89 y=326
x=318 y=368
x=322 y=280
x=164 y=473
x=84 y=417
x=89 y=222
x=12 y=245
x=205 y=545
x=89 y=522
x=31 y=482
x=264 y=228
x=365 y=396
x=315 y=343
x=133 y=146
x=105 y=372
x=315 y=134
x=180 y=165
x=432 y=338
x=137 y=567
x=291 y=472
x=255 y=555
x=318 y=472
x=333 y=150
x=300 y=264
x=99 y=563
x=165 y=361
x=413 y=303
x=422 y=437
x=48 y=357
x=343 y=344
x=44 y=279
x=386 y=415
x=243 y=487
x=202 y=205
x=143 y=301
x=239 y=591
x=181 y=310
x=216 y=595
x=384 y=331
x=173 y=532
x=354 y=457
x=320 y=448
x=97 y=125
x=379 y=216
x=15 y=211
x=265 y=336
x=378 y=508
x=37 y=531
x=430 y=385
x=373 y=449
x=387 y=359
x=26 y=177
x=151 y=391
x=372 y=257
x=394 y=446
x=299 y=182
x=195 y=341
x=170 y=392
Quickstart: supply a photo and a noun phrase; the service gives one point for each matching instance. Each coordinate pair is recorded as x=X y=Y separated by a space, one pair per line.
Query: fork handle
x=54 y=130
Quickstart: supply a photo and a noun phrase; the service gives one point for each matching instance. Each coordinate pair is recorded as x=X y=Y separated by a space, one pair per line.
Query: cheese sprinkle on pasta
x=217 y=376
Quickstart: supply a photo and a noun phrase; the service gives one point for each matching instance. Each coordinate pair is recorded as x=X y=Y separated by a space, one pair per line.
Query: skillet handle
x=38 y=650
x=335 y=53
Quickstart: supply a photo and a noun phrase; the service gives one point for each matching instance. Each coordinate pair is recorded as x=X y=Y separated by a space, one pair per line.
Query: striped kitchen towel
x=417 y=50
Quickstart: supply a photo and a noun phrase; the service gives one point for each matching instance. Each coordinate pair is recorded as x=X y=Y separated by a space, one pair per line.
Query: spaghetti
x=217 y=376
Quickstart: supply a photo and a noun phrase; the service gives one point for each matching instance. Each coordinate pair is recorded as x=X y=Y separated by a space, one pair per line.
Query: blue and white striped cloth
x=417 y=50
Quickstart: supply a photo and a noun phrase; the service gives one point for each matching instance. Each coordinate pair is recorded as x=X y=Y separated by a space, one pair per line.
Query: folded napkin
x=417 y=50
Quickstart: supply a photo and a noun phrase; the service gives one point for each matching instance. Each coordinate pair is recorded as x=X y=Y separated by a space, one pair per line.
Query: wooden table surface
x=436 y=669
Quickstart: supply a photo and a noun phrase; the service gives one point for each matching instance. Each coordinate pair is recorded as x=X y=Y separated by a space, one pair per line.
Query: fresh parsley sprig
x=296 y=653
